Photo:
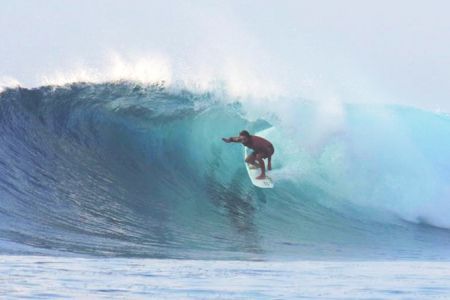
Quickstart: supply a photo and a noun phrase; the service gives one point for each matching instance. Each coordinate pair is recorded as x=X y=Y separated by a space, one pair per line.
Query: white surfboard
x=265 y=183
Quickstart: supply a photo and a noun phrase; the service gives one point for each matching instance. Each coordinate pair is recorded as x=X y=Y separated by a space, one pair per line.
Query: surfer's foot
x=250 y=166
x=262 y=176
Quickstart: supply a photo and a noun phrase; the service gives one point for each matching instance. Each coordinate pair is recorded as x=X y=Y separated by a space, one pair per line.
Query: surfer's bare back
x=261 y=147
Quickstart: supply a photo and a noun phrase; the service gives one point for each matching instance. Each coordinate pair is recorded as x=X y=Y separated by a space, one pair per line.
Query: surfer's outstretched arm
x=234 y=139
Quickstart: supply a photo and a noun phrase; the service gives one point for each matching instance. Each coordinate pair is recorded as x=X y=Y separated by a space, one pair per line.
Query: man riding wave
x=261 y=147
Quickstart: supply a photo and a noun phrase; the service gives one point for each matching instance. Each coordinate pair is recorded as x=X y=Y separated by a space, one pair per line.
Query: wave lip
x=124 y=169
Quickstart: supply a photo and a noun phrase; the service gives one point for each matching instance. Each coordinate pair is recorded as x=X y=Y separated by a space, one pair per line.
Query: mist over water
x=328 y=52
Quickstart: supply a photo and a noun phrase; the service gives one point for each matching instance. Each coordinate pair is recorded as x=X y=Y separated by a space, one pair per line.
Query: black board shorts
x=265 y=154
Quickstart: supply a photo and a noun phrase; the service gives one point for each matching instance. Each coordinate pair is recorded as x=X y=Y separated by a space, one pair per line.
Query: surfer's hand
x=226 y=140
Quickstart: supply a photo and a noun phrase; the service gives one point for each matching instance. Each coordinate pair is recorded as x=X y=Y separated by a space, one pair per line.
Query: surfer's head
x=245 y=135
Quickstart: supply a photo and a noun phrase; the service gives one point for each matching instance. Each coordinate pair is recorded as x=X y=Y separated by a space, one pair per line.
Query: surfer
x=261 y=147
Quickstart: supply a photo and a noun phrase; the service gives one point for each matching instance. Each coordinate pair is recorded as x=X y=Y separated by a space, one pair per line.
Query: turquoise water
x=127 y=170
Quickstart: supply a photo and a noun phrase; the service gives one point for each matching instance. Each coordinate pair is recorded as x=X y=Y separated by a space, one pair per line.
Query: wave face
x=141 y=171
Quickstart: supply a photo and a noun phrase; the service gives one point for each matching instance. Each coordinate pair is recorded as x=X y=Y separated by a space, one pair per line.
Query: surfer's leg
x=251 y=160
x=269 y=158
x=259 y=159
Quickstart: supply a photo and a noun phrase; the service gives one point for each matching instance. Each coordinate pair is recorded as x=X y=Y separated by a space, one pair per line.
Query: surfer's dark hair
x=244 y=133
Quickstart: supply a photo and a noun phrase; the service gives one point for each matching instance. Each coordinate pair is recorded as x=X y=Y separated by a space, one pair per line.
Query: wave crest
x=140 y=170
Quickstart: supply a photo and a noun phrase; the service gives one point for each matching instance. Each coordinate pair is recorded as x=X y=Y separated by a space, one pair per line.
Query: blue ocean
x=126 y=190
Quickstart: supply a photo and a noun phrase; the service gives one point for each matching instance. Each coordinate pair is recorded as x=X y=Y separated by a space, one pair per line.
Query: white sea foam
x=8 y=82
x=143 y=70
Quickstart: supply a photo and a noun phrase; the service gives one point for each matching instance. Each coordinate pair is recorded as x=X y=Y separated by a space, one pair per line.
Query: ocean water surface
x=127 y=190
